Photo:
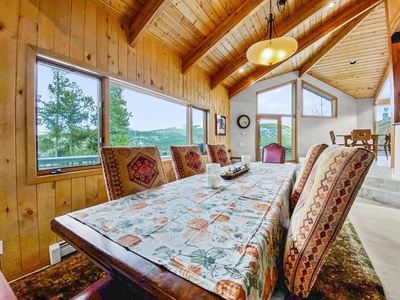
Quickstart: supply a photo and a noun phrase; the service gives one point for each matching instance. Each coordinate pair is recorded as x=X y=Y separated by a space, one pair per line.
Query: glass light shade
x=270 y=52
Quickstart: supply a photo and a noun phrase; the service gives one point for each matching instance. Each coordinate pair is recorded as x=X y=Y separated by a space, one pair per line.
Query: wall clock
x=243 y=121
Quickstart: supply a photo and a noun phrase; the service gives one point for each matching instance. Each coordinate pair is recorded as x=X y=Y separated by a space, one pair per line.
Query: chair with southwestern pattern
x=273 y=153
x=218 y=154
x=187 y=161
x=312 y=155
x=128 y=170
x=322 y=208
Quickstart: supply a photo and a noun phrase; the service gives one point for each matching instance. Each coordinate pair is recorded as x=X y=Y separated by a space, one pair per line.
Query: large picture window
x=317 y=103
x=67 y=118
x=77 y=111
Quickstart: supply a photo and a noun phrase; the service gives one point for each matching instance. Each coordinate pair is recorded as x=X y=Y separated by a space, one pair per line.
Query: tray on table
x=233 y=175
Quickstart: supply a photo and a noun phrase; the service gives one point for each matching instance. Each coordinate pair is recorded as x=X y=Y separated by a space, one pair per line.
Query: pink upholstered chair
x=128 y=170
x=218 y=154
x=273 y=153
x=323 y=205
x=187 y=161
x=6 y=292
x=312 y=155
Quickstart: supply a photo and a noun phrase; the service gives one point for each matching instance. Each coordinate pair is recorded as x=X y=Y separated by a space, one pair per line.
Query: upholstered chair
x=6 y=292
x=187 y=161
x=323 y=205
x=312 y=155
x=273 y=153
x=128 y=170
x=217 y=154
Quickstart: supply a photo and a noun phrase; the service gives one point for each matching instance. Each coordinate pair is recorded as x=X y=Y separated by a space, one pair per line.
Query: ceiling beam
x=287 y=25
x=140 y=26
x=345 y=15
x=247 y=8
x=328 y=47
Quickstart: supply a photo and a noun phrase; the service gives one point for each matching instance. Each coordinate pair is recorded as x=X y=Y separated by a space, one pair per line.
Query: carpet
x=346 y=274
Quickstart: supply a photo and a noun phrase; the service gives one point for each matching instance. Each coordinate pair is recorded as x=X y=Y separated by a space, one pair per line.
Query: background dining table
x=185 y=240
x=374 y=137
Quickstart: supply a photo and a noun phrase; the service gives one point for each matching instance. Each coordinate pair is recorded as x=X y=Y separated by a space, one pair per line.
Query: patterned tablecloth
x=223 y=239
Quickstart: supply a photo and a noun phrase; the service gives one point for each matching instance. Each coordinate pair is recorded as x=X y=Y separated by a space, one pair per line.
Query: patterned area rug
x=60 y=281
x=346 y=274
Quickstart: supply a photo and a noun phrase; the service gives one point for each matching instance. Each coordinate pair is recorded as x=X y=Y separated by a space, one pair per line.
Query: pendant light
x=271 y=51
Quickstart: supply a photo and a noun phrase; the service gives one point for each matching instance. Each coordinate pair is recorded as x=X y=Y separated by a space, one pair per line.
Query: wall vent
x=59 y=251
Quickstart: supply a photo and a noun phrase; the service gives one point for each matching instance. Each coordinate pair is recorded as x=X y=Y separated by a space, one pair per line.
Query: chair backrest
x=361 y=134
x=187 y=161
x=6 y=292
x=218 y=154
x=128 y=170
x=387 y=139
x=273 y=153
x=323 y=205
x=312 y=155
x=333 y=137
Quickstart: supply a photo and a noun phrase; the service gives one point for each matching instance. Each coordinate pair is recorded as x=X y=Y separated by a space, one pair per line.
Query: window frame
x=323 y=94
x=34 y=54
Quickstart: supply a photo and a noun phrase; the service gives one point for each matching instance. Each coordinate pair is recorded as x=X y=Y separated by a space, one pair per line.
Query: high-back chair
x=218 y=154
x=323 y=205
x=128 y=170
x=273 y=153
x=361 y=138
x=386 y=145
x=187 y=161
x=312 y=155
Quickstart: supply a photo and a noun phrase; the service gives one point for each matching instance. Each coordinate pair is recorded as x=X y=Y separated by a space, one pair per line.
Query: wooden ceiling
x=215 y=34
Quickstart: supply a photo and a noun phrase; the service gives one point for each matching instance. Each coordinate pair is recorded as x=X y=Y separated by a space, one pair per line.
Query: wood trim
x=345 y=15
x=381 y=86
x=334 y=107
x=246 y=9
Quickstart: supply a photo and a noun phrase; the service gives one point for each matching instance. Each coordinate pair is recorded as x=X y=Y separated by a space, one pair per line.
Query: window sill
x=62 y=176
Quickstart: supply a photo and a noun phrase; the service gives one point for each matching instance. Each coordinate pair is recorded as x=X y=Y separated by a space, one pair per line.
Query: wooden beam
x=246 y=9
x=326 y=48
x=345 y=15
x=306 y=11
x=142 y=23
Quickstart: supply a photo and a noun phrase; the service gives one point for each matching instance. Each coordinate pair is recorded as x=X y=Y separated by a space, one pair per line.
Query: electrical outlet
x=1 y=247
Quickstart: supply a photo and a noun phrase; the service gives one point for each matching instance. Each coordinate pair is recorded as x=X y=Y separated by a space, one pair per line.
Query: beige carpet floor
x=379 y=230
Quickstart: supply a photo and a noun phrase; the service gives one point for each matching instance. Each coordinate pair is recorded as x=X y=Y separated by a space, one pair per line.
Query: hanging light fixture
x=271 y=51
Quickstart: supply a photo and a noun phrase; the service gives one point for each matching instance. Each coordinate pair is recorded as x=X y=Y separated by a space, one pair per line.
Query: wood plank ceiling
x=215 y=34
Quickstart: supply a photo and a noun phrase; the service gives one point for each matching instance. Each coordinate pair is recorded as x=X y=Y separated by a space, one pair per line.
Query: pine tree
x=119 y=117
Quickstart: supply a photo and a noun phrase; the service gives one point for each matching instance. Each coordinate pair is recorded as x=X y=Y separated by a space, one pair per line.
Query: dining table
x=186 y=240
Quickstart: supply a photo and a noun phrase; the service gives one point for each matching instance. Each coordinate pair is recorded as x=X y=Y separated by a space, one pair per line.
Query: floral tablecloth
x=223 y=239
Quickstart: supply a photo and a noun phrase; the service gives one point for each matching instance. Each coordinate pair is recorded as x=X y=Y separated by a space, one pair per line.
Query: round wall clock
x=243 y=121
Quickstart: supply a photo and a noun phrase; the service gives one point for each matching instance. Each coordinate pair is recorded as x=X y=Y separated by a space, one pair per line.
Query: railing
x=67 y=161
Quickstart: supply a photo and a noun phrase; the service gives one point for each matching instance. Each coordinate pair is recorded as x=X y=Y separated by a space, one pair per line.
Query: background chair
x=323 y=205
x=361 y=138
x=187 y=161
x=386 y=145
x=273 y=153
x=128 y=170
x=218 y=154
x=333 y=138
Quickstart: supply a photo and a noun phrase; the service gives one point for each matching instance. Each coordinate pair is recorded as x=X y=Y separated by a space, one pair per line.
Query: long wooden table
x=187 y=241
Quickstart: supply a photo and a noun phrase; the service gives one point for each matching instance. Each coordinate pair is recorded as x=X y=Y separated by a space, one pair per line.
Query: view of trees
x=70 y=118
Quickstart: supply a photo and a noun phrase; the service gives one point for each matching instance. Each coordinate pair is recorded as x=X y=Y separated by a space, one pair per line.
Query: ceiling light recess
x=271 y=51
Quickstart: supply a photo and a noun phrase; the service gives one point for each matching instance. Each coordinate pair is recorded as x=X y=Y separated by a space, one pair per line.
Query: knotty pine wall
x=92 y=34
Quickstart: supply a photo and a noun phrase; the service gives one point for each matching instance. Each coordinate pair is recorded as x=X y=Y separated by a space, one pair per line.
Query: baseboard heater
x=59 y=251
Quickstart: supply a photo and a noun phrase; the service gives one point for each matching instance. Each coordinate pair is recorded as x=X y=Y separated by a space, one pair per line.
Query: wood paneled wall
x=92 y=34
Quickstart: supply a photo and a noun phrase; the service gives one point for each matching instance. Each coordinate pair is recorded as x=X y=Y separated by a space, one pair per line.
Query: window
x=140 y=119
x=317 y=103
x=276 y=119
x=71 y=117
x=67 y=118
